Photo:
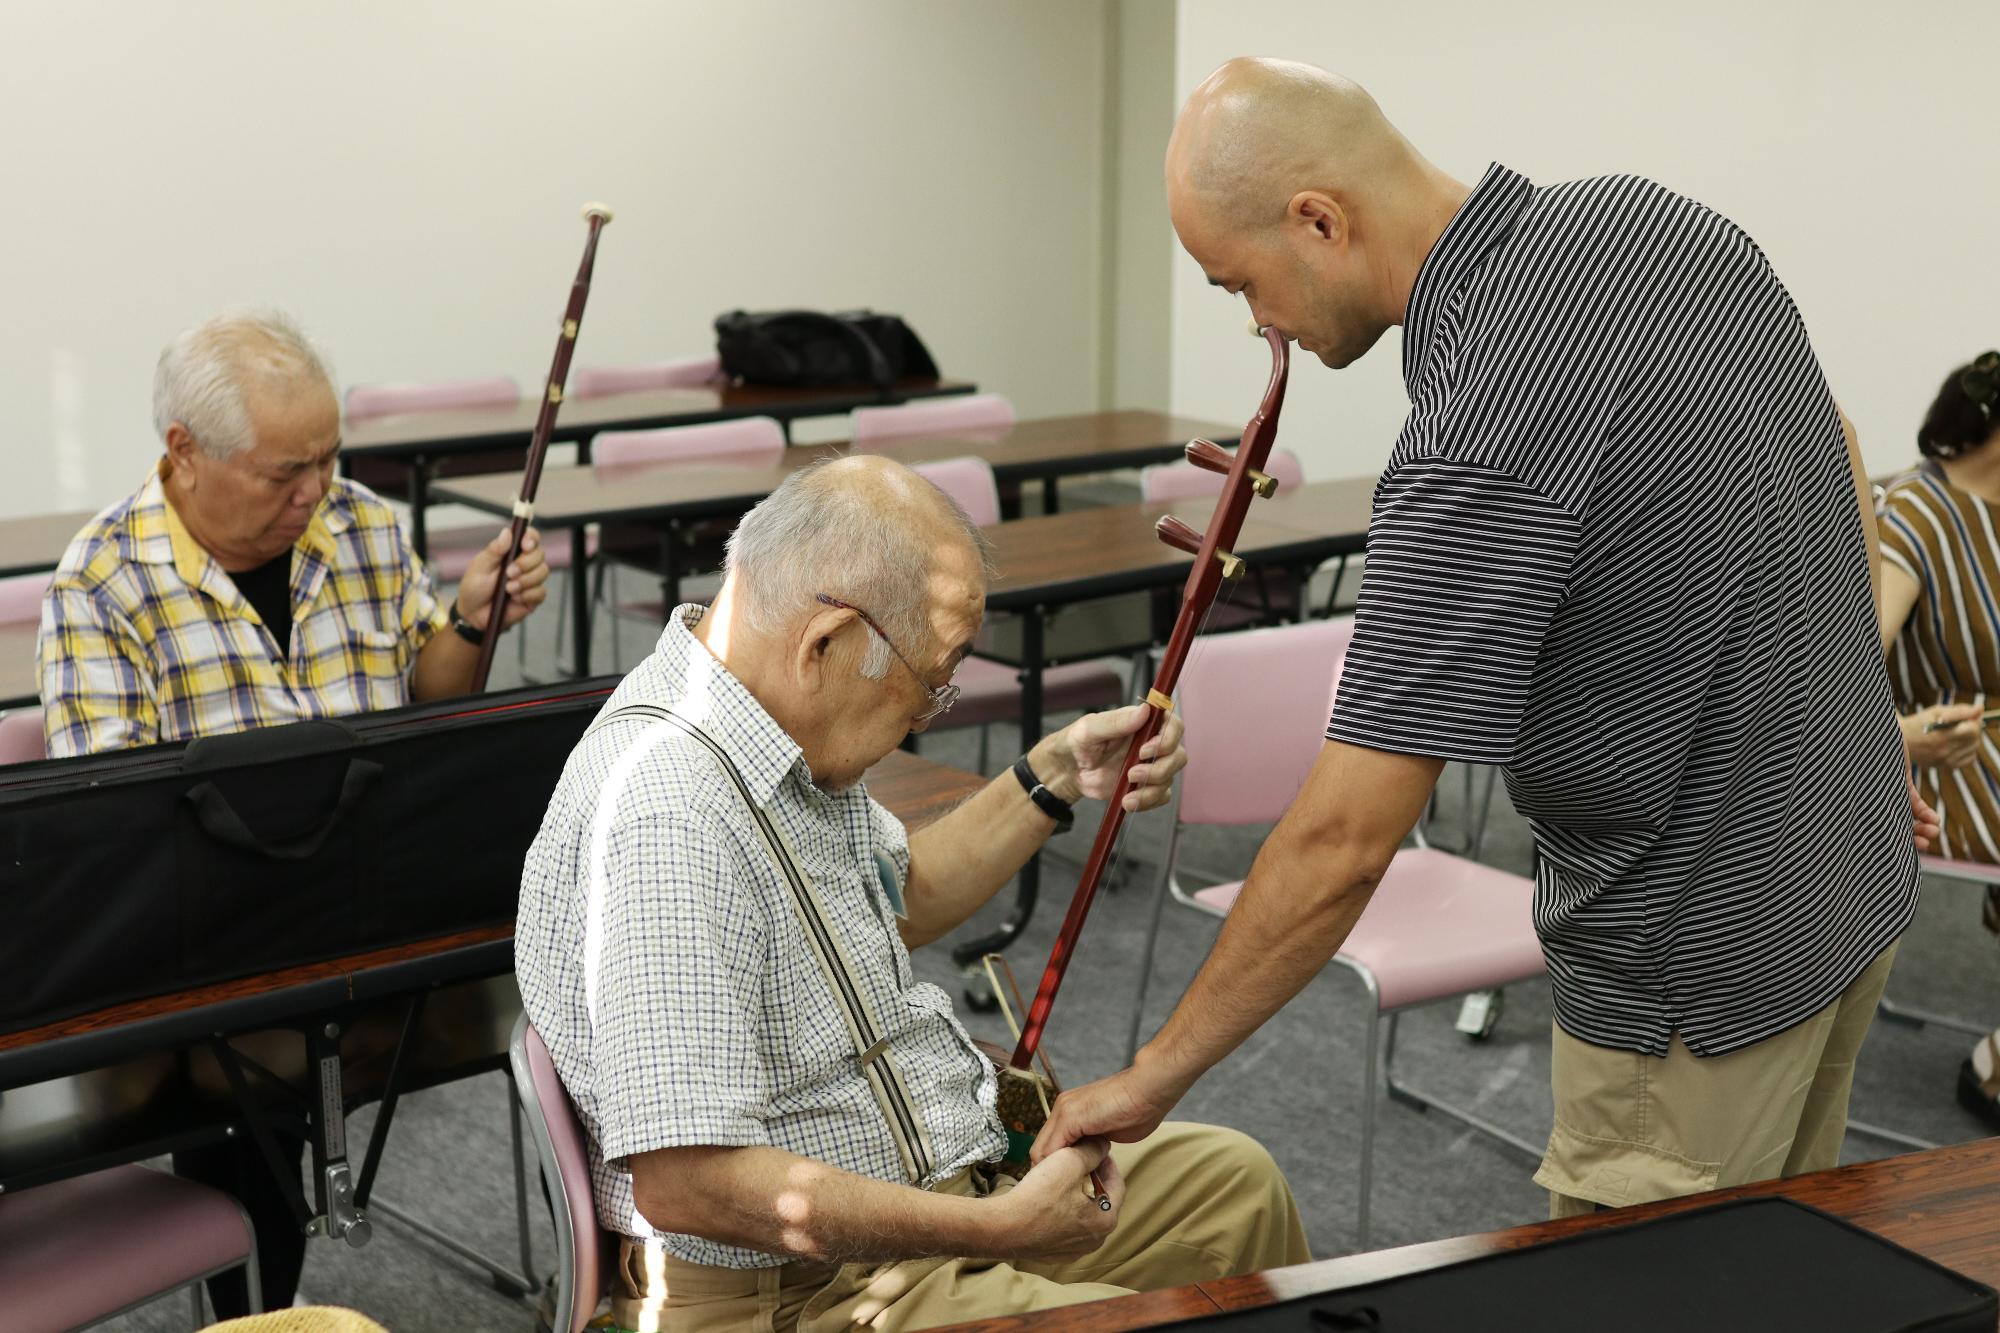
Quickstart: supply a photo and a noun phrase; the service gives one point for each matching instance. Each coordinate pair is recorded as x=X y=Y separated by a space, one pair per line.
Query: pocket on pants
x=1616 y=1172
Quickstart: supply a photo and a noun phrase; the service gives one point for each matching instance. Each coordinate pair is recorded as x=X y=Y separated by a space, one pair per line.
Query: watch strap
x=1045 y=800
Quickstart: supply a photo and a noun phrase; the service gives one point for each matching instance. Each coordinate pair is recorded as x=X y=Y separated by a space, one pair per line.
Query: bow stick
x=1213 y=564
x=596 y=215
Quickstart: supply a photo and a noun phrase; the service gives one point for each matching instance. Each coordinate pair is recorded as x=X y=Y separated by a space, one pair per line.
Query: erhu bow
x=1021 y=1096
x=596 y=215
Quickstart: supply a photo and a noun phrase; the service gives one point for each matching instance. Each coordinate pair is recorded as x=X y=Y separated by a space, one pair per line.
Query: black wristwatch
x=464 y=628
x=1045 y=800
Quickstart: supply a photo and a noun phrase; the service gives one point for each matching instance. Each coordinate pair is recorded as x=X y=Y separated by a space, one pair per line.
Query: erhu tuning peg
x=1209 y=456
x=1183 y=536
x=1212 y=457
x=1179 y=534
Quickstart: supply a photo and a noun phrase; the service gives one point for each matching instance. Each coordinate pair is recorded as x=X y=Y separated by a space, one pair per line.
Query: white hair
x=818 y=533
x=199 y=379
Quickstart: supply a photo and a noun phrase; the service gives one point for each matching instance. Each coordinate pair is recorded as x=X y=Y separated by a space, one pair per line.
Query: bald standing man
x=1617 y=550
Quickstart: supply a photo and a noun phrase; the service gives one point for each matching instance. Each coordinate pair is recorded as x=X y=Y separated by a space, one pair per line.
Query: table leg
x=1049 y=501
x=670 y=568
x=1028 y=883
x=579 y=602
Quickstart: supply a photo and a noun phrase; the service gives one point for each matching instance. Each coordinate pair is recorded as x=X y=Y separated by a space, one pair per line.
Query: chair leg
x=200 y=1317
x=1890 y=1135
x=1371 y=1055
x=1152 y=942
x=521 y=1187
x=1424 y=1101
x=985 y=743
x=1916 y=1018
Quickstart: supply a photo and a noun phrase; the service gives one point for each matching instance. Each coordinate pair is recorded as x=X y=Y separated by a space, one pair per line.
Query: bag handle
x=220 y=820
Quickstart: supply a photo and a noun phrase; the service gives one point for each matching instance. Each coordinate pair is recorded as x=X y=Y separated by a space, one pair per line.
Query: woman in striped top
x=1941 y=628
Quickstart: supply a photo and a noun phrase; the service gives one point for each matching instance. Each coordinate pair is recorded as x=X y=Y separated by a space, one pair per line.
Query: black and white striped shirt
x=1616 y=549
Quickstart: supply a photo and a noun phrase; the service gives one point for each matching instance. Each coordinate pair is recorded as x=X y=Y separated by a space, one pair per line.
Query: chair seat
x=1976 y=872
x=990 y=691
x=77 y=1250
x=1438 y=925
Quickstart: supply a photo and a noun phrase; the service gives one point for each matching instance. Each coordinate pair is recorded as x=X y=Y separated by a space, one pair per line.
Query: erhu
x=596 y=215
x=1023 y=1099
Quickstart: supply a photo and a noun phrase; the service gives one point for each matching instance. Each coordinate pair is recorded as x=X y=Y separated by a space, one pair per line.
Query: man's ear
x=1321 y=212
x=181 y=449
x=815 y=646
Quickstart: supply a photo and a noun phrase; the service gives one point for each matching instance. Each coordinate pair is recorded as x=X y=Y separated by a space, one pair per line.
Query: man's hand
x=1083 y=759
x=1053 y=1213
x=526 y=578
x=1924 y=823
x=1124 y=1108
x=1955 y=745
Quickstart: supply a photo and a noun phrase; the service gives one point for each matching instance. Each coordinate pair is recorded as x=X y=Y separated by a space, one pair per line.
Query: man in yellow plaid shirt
x=244 y=585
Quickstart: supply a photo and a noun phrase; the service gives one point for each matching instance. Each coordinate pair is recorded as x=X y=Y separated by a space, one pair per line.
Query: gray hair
x=199 y=379
x=818 y=533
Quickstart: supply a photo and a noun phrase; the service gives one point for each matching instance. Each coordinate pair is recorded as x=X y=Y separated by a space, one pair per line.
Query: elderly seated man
x=244 y=585
x=763 y=1170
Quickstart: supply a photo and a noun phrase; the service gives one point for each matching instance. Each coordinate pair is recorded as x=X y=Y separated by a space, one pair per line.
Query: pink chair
x=1182 y=481
x=21 y=598
x=746 y=441
x=1438 y=926
x=976 y=413
x=583 y=1259
x=753 y=441
x=78 y=1251
x=365 y=402
x=695 y=372
x=990 y=691
x=21 y=738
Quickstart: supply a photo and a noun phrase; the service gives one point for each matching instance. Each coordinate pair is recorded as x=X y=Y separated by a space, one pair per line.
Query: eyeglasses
x=942 y=696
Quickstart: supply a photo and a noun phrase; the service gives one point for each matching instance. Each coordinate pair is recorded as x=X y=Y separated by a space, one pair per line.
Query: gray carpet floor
x=1296 y=1086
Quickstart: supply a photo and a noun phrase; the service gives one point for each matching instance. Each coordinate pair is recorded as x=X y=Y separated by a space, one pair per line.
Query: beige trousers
x=1200 y=1203
x=1633 y=1128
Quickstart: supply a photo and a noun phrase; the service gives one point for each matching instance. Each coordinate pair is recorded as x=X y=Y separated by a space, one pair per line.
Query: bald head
x=864 y=529
x=1258 y=131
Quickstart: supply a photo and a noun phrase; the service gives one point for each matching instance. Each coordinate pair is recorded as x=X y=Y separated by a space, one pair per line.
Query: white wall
x=404 y=177
x=1139 y=244
x=1855 y=141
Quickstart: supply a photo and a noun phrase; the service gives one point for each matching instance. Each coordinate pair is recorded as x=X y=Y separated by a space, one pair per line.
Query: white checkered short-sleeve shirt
x=661 y=963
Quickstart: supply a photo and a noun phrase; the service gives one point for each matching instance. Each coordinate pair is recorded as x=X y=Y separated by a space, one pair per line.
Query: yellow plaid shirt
x=144 y=638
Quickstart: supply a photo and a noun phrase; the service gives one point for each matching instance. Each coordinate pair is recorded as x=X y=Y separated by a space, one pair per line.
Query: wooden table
x=403 y=452
x=36 y=542
x=573 y=497
x=1943 y=1204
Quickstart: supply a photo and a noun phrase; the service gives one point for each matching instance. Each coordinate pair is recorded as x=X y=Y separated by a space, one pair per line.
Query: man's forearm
x=1296 y=910
x=780 y=1203
x=444 y=668
x=958 y=863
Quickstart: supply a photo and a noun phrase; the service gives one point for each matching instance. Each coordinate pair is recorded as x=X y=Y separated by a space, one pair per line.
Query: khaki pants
x=1200 y=1203
x=1633 y=1128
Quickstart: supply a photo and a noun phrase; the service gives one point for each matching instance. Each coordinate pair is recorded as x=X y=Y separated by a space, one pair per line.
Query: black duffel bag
x=801 y=348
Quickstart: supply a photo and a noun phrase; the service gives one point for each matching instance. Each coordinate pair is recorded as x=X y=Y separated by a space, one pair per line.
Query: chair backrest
x=559 y=1139
x=21 y=598
x=365 y=402
x=21 y=737
x=694 y=372
x=969 y=481
x=1180 y=481
x=975 y=412
x=1256 y=704
x=748 y=440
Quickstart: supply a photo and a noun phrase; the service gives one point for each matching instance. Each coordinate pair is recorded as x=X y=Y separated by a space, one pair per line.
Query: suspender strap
x=870 y=1038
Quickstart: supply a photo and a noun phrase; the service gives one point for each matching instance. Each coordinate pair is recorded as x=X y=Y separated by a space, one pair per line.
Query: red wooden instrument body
x=1212 y=555
x=596 y=215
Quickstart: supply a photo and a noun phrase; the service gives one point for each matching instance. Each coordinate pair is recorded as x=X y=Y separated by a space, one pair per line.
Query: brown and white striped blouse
x=1948 y=652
